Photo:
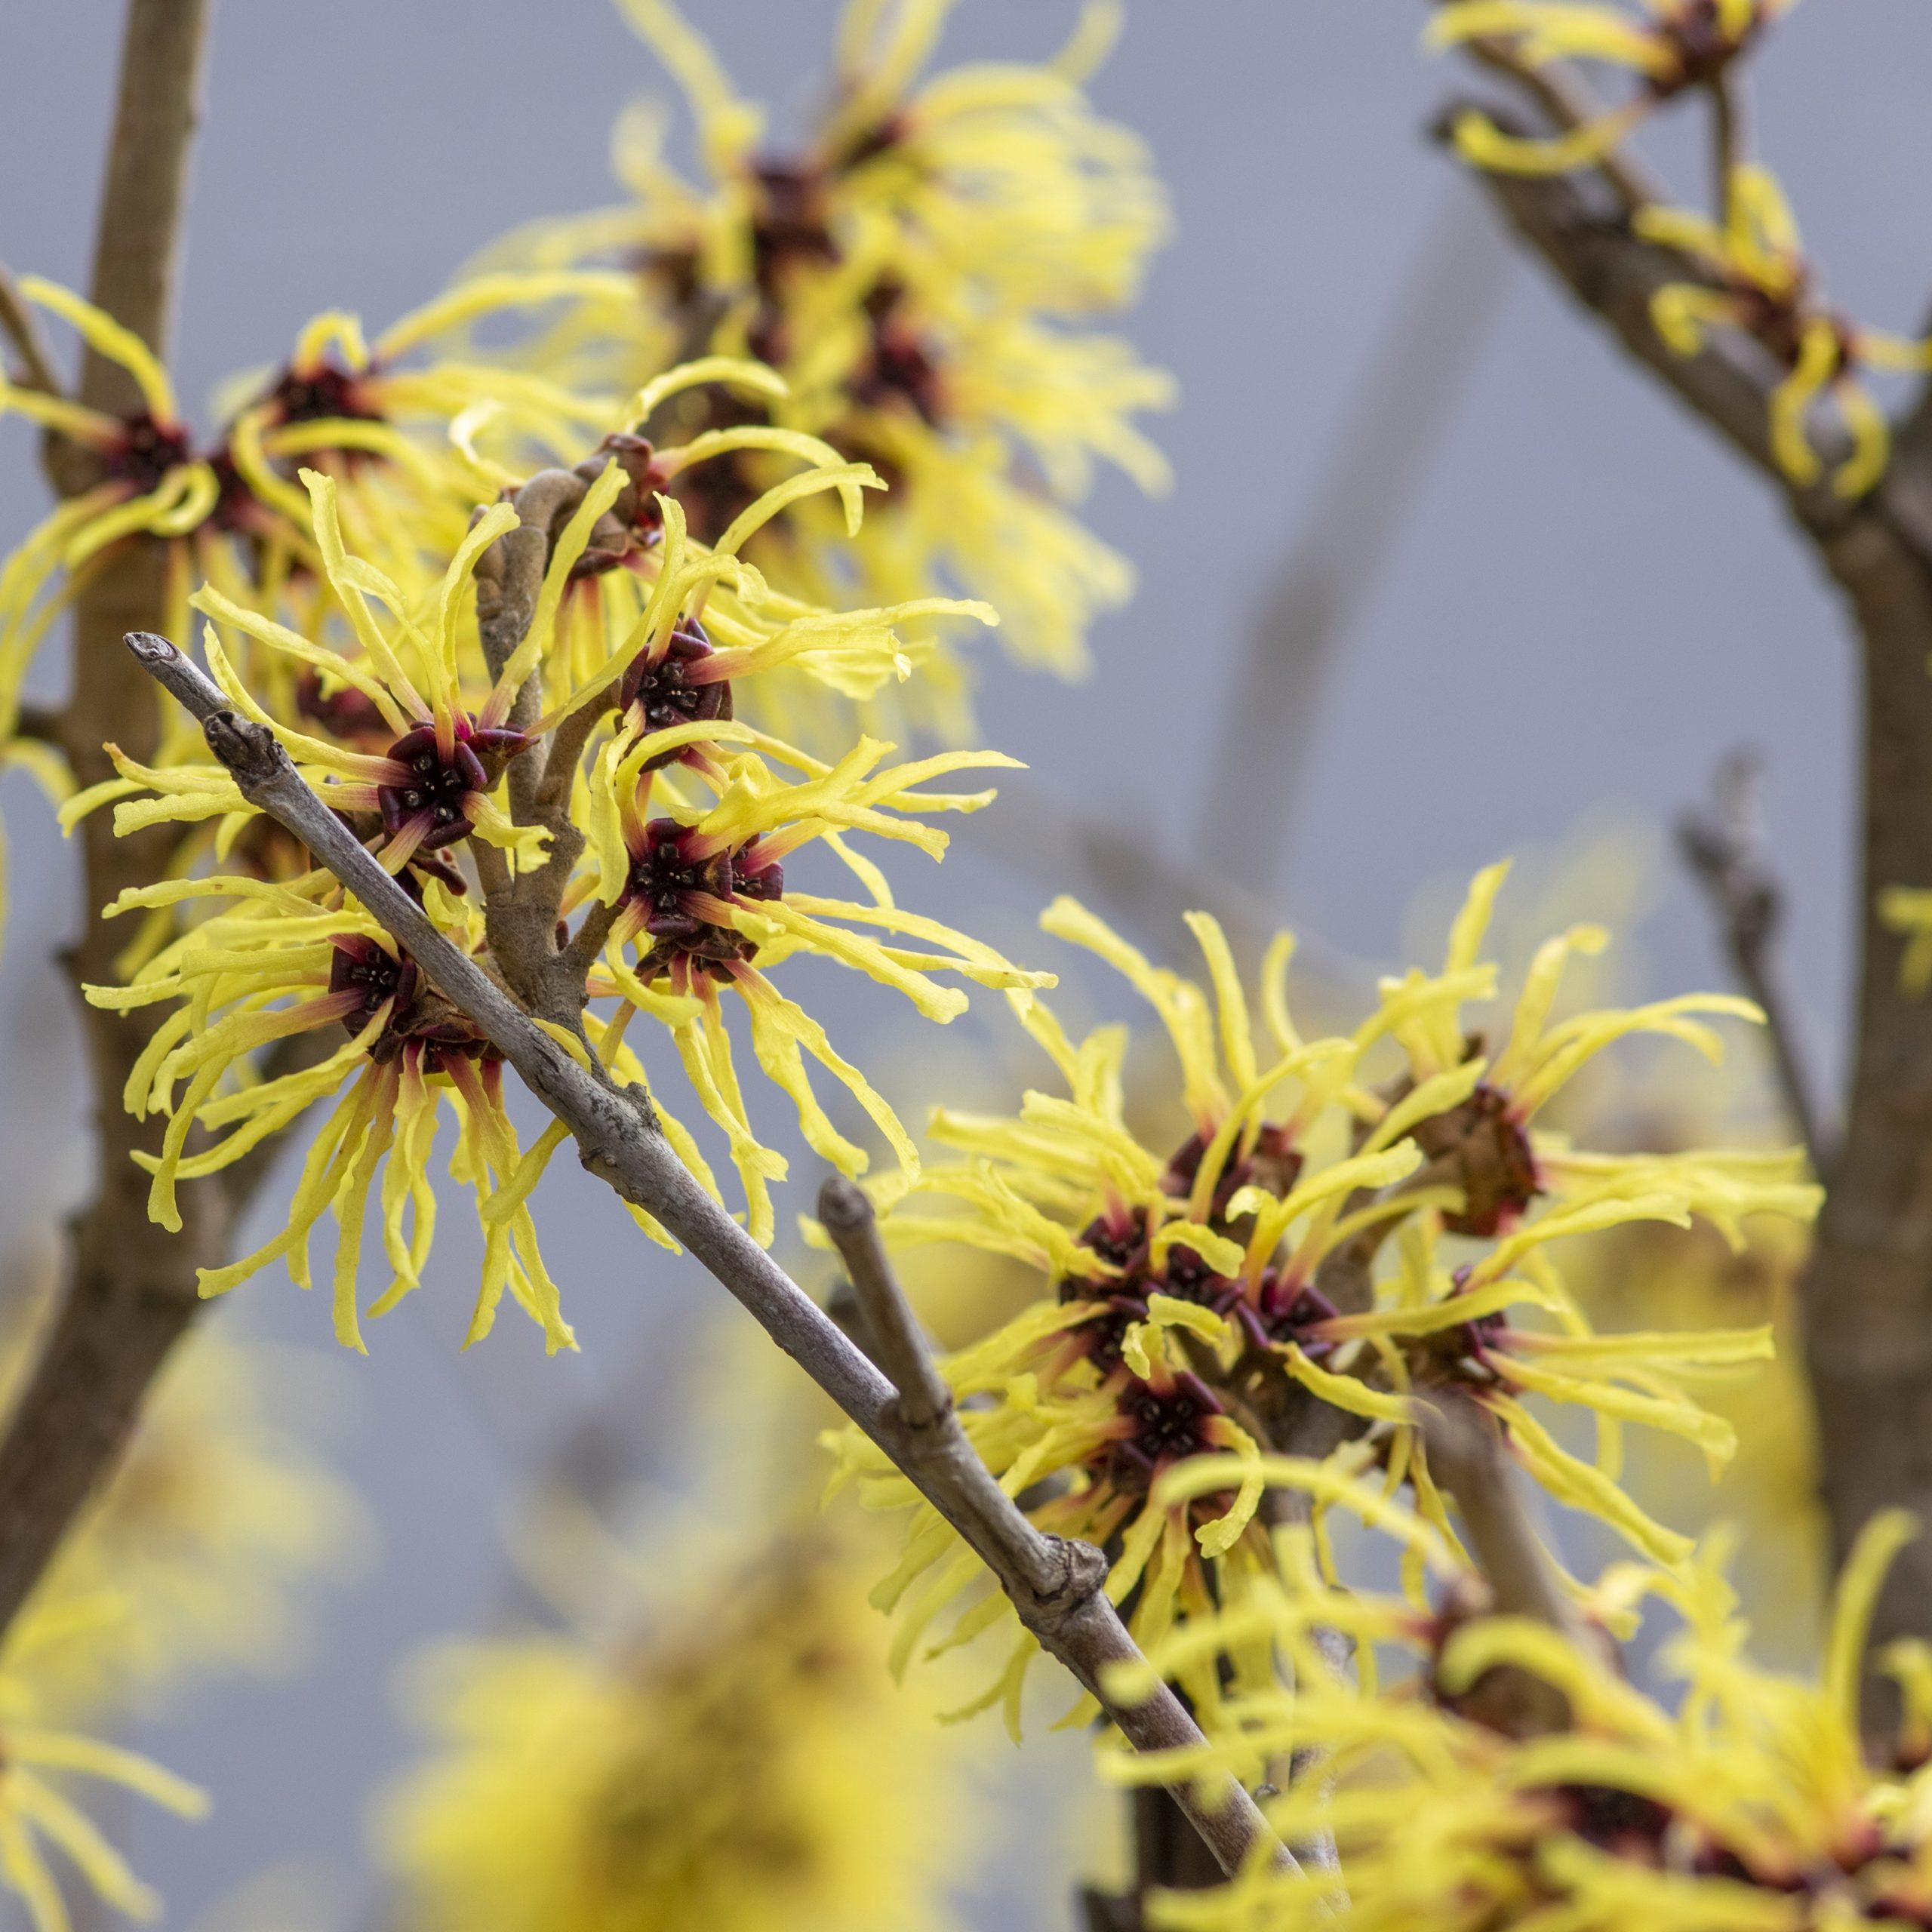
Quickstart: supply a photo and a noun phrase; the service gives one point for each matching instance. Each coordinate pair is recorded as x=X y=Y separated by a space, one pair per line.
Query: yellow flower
x=744 y=1762
x=290 y=962
x=37 y=1764
x=1221 y=1294
x=1753 y=276
x=919 y=270
x=230 y=511
x=1668 y=47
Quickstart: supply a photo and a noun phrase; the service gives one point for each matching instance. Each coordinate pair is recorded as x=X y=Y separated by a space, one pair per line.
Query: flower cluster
x=220 y=1534
x=1745 y=271
x=922 y=269
x=374 y=415
x=659 y=822
x=1751 y=275
x=1748 y=1801
x=1211 y=1297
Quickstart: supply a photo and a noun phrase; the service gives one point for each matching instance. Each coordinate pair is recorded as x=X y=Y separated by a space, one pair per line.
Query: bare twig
x=1615 y=273
x=1725 y=848
x=1054 y=1584
x=1729 y=137
x=37 y=371
x=1867 y=1303
x=1565 y=102
x=522 y=909
x=924 y=1403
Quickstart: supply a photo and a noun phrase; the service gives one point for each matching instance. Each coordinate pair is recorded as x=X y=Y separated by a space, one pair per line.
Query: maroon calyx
x=1495 y=1164
x=325 y=392
x=420 y=1021
x=788 y=225
x=633 y=522
x=1702 y=47
x=437 y=787
x=1170 y=1424
x=146 y=450
x=1272 y=1162
x=900 y=367
x=675 y=882
x=663 y=692
x=1284 y=1311
x=362 y=966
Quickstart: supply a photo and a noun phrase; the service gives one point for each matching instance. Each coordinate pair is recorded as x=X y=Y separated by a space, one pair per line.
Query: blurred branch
x=18 y=325
x=1054 y=1584
x=1867 y=1303
x=1587 y=243
x=1363 y=499
x=38 y=722
x=1467 y=1457
x=1725 y=847
x=129 y=1291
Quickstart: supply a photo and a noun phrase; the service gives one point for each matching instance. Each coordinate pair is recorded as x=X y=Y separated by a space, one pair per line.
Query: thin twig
x=1467 y=1458
x=1054 y=1584
x=1729 y=137
x=1725 y=847
x=924 y=1403
x=1361 y=502
x=18 y=325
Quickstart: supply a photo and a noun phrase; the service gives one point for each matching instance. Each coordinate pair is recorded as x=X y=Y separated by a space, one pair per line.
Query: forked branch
x=1054 y=1584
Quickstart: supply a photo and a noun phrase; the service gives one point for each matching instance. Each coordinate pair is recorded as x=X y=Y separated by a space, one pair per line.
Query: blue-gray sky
x=1590 y=605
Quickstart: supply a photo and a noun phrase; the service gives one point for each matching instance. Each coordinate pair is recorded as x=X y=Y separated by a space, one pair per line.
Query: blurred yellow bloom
x=37 y=1765
x=743 y=1762
x=220 y=1527
x=919 y=270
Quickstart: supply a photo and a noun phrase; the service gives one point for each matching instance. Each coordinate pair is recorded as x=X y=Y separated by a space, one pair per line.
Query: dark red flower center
x=1169 y=1424
x=1701 y=46
x=663 y=692
x=146 y=450
x=1496 y=1165
x=325 y=392
x=362 y=966
x=438 y=787
x=671 y=873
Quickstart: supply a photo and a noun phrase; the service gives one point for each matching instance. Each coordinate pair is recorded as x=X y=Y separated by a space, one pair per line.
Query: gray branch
x=1053 y=1584
x=1725 y=847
